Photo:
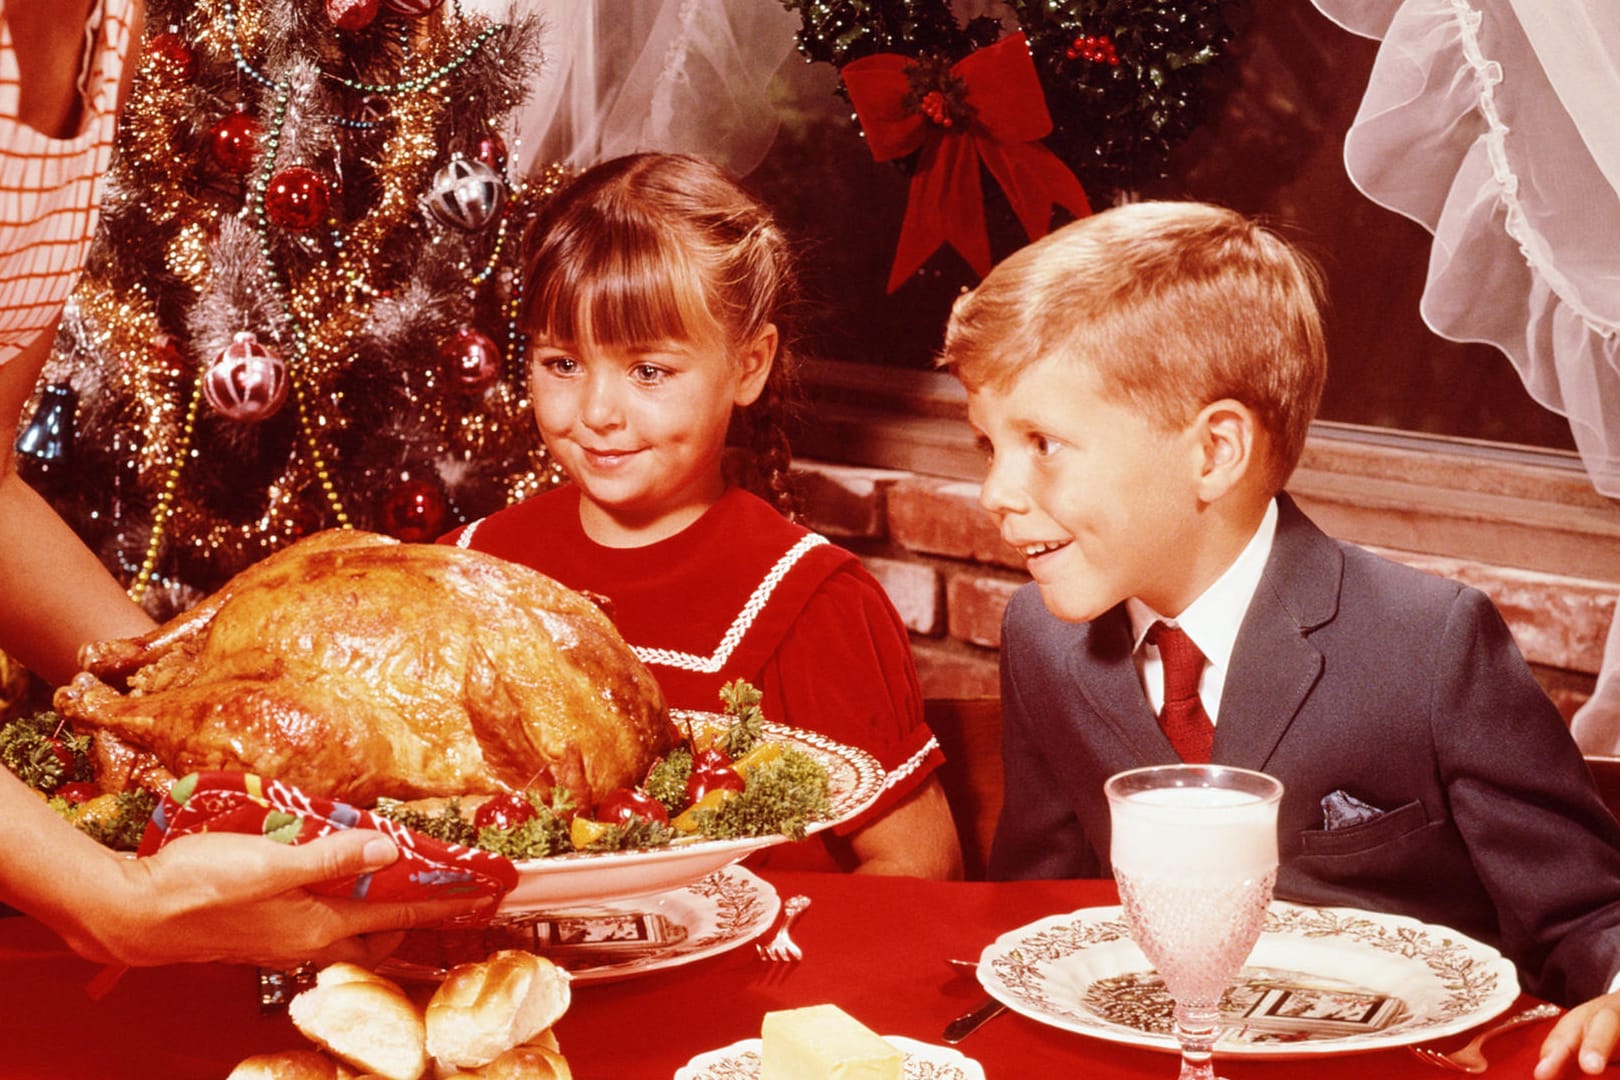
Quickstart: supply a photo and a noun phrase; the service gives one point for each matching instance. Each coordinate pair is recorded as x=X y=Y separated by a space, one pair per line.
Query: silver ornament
x=466 y=194
x=247 y=382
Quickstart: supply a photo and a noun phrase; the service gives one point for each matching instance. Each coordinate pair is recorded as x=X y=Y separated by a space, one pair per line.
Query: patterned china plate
x=608 y=941
x=592 y=878
x=924 y=1061
x=1319 y=981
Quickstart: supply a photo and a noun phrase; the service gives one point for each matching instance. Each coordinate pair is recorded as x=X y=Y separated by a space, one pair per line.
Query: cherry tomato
x=621 y=805
x=712 y=758
x=59 y=748
x=77 y=792
x=506 y=811
x=719 y=778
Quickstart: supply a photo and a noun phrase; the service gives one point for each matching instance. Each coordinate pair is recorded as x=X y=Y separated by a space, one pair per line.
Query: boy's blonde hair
x=664 y=247
x=1172 y=305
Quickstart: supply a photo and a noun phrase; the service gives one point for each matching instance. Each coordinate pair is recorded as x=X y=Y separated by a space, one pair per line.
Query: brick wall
x=949 y=575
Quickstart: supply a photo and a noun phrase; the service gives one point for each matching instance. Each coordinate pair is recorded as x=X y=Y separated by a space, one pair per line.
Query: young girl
x=655 y=293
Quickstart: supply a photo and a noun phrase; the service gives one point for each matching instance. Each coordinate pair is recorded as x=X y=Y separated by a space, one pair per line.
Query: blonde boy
x=1142 y=381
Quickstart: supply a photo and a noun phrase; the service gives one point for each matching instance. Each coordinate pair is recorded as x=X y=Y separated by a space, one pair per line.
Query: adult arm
x=58 y=596
x=204 y=897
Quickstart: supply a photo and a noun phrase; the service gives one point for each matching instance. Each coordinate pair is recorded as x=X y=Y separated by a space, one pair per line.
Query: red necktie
x=1183 y=718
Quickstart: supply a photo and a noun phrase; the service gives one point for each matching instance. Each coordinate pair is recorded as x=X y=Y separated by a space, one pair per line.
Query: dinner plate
x=608 y=941
x=924 y=1061
x=855 y=782
x=1319 y=981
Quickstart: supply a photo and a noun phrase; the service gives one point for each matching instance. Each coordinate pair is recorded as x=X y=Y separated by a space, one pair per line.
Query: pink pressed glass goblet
x=1195 y=856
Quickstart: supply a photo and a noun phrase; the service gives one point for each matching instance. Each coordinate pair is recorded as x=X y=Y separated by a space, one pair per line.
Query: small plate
x=566 y=881
x=924 y=1061
x=1319 y=981
x=607 y=941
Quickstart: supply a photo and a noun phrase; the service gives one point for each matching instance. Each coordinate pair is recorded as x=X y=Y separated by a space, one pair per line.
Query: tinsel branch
x=178 y=495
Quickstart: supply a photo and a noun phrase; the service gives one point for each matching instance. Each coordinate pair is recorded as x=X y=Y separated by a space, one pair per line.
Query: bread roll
x=290 y=1065
x=484 y=1009
x=364 y=1019
x=530 y=1062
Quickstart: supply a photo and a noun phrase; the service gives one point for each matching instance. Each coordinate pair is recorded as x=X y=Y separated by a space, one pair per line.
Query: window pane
x=1273 y=146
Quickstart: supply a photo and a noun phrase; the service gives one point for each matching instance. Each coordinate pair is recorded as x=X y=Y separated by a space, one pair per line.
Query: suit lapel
x=1103 y=668
x=1274 y=663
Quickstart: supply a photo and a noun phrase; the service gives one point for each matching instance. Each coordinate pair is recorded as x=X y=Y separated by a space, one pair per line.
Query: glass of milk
x=1195 y=856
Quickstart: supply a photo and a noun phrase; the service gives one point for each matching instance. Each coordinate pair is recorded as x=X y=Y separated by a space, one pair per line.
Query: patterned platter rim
x=924 y=1061
x=856 y=780
x=728 y=908
x=1468 y=981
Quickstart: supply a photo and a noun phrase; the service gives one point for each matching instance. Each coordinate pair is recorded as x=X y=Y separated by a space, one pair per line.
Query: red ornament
x=351 y=14
x=492 y=152
x=413 y=8
x=471 y=358
x=297 y=198
x=234 y=142
x=247 y=381
x=171 y=54
x=415 y=511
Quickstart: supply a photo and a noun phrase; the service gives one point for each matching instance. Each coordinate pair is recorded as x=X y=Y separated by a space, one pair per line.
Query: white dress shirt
x=1211 y=621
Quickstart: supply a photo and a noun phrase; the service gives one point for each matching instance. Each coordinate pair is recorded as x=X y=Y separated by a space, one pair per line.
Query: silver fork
x=1470 y=1059
x=782 y=948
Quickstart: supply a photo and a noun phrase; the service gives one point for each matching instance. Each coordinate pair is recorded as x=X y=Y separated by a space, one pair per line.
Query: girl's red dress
x=745 y=593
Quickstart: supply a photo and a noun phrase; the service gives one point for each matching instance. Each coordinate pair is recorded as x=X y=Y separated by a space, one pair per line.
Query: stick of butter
x=823 y=1042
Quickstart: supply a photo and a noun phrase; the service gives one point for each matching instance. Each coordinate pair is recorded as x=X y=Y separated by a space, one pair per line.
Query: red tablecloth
x=875 y=946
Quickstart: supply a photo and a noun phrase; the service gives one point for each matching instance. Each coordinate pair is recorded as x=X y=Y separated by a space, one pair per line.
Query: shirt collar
x=1212 y=620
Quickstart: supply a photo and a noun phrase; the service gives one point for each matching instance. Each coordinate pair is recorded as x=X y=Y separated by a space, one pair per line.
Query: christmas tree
x=300 y=309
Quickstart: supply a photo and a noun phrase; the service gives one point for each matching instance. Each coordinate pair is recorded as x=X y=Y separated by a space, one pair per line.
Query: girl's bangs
x=618 y=294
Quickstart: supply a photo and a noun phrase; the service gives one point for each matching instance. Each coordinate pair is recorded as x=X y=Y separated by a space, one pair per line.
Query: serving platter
x=924 y=1061
x=1319 y=981
x=855 y=780
x=605 y=942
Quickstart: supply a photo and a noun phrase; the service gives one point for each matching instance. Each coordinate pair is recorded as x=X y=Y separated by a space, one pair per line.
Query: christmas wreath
x=1099 y=90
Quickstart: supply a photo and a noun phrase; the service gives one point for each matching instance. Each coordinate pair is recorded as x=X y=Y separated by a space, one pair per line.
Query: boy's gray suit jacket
x=1356 y=674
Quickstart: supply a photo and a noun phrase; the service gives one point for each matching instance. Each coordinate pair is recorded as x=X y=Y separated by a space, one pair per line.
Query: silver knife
x=969 y=1022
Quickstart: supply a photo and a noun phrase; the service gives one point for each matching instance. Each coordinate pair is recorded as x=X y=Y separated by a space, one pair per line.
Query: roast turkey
x=355 y=666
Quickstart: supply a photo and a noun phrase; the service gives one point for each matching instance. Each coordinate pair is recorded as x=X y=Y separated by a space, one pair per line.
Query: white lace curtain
x=1492 y=124
x=625 y=75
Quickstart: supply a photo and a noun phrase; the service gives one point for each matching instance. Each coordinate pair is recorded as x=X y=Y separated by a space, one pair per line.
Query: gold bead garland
x=165 y=501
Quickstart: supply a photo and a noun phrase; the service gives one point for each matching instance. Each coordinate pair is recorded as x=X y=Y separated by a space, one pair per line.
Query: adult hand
x=1582 y=1041
x=233 y=897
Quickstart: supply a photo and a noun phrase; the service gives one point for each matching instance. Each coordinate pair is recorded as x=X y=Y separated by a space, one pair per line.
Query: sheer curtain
x=626 y=75
x=1491 y=123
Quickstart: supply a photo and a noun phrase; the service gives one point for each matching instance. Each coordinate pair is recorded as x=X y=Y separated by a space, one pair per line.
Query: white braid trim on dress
x=911 y=764
x=733 y=636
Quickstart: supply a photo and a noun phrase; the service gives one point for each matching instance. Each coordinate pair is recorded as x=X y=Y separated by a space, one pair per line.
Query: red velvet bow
x=945 y=203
